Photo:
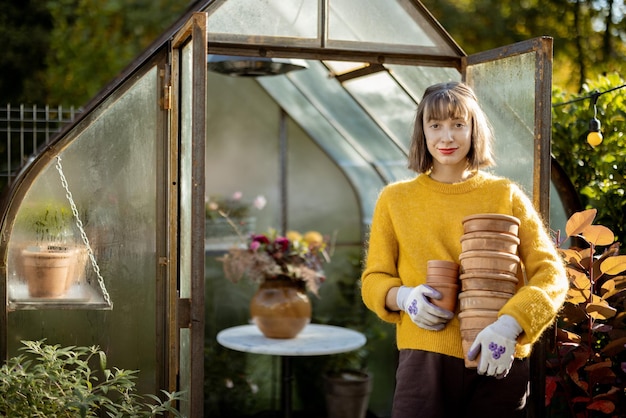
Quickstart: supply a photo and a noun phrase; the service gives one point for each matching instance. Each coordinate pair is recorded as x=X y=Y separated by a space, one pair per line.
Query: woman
x=421 y=219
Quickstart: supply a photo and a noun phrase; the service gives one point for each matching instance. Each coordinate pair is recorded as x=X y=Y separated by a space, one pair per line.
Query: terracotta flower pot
x=442 y=271
x=471 y=323
x=280 y=308
x=449 y=295
x=491 y=222
x=489 y=261
x=46 y=272
x=489 y=241
x=482 y=300
x=496 y=282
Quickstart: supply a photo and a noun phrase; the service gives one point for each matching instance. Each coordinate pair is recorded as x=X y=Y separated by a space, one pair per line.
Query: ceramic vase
x=280 y=308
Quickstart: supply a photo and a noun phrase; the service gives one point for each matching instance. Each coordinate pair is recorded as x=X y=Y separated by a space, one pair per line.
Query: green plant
x=54 y=381
x=586 y=373
x=46 y=222
x=597 y=173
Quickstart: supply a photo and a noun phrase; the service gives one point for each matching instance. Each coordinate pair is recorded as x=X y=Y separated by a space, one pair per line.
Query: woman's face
x=448 y=141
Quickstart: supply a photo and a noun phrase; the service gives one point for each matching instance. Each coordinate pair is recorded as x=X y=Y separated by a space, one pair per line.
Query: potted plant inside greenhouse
x=48 y=257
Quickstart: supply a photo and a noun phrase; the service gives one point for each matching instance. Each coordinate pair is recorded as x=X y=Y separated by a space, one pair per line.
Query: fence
x=24 y=130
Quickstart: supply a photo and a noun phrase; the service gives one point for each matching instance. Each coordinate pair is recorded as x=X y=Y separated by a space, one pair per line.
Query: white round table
x=313 y=340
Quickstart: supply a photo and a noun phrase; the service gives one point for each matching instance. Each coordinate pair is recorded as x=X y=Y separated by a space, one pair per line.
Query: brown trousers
x=431 y=385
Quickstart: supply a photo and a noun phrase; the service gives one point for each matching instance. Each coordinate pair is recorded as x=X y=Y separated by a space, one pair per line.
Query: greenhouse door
x=186 y=213
x=514 y=86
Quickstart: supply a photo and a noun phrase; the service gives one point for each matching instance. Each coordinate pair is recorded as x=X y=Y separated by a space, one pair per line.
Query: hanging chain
x=83 y=235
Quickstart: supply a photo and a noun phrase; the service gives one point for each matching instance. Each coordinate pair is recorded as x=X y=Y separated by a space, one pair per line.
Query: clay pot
x=280 y=308
x=489 y=241
x=46 y=272
x=471 y=323
x=504 y=283
x=491 y=222
x=482 y=300
x=449 y=295
x=489 y=261
x=442 y=271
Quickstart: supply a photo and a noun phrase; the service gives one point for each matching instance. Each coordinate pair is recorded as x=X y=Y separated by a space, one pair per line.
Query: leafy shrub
x=586 y=373
x=51 y=381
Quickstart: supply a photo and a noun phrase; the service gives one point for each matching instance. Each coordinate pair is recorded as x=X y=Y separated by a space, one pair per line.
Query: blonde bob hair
x=456 y=101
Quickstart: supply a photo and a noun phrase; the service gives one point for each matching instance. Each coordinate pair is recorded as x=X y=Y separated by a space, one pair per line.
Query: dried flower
x=234 y=207
x=268 y=256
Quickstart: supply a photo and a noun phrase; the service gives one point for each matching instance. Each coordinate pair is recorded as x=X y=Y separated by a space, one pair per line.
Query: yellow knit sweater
x=420 y=219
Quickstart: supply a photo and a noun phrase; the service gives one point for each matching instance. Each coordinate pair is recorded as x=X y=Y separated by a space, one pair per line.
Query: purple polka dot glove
x=414 y=301
x=496 y=343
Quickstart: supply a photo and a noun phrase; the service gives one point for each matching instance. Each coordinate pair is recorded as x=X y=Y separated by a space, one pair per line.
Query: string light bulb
x=594 y=137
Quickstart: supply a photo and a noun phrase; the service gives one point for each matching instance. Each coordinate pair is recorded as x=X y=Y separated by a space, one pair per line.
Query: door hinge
x=166 y=97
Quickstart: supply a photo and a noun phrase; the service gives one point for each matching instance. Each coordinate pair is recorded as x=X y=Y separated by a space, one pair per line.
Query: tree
x=93 y=40
x=587 y=33
x=24 y=29
x=597 y=173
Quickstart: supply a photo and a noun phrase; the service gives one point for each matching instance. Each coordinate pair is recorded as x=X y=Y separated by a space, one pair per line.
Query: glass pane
x=380 y=21
x=279 y=18
x=394 y=23
x=415 y=80
x=389 y=105
x=506 y=91
x=186 y=185
x=111 y=168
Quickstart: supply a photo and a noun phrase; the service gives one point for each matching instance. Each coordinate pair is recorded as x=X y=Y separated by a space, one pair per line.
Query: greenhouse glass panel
x=387 y=103
x=362 y=174
x=506 y=91
x=273 y=18
x=415 y=80
x=398 y=24
x=109 y=162
x=345 y=114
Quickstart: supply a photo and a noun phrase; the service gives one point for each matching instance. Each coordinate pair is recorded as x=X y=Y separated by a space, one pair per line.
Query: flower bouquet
x=271 y=256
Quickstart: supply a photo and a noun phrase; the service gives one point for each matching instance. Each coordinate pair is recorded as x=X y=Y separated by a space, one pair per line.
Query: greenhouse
x=305 y=106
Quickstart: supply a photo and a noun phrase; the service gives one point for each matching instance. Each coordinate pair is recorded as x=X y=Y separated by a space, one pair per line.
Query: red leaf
x=550 y=388
x=603 y=406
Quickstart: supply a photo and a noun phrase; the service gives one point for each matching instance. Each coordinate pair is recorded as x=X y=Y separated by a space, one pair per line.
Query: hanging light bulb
x=594 y=137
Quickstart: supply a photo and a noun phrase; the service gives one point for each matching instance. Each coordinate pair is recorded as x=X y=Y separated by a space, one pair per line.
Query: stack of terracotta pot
x=443 y=276
x=489 y=264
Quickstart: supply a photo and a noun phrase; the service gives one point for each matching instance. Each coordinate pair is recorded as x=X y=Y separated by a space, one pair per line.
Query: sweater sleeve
x=380 y=273
x=537 y=303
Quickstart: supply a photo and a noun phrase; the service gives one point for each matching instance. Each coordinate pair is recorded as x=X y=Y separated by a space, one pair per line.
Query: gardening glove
x=414 y=301
x=497 y=344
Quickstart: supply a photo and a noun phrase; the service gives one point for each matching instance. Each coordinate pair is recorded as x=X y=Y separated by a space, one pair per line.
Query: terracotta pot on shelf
x=280 y=308
x=489 y=262
x=491 y=222
x=483 y=300
x=489 y=241
x=471 y=323
x=497 y=282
